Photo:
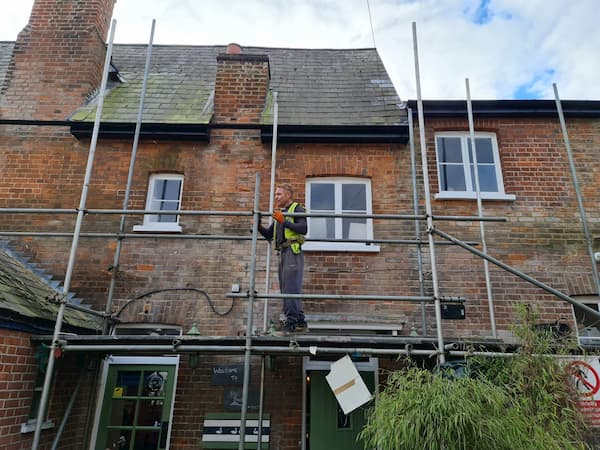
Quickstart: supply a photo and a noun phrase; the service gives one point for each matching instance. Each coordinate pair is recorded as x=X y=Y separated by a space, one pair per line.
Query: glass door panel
x=136 y=408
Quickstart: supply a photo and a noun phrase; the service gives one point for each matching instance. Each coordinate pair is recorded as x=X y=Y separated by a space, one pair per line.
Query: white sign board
x=347 y=385
x=584 y=374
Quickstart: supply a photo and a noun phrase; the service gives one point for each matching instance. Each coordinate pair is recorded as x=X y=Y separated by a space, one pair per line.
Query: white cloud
x=502 y=46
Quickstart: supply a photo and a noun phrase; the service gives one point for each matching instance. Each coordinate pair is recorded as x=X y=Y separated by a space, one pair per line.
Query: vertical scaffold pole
x=136 y=138
x=582 y=214
x=486 y=268
x=74 y=244
x=434 y=275
x=413 y=169
x=250 y=309
x=268 y=265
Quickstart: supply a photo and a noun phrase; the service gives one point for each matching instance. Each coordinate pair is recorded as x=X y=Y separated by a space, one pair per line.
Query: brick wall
x=57 y=60
x=241 y=87
x=541 y=237
x=17 y=376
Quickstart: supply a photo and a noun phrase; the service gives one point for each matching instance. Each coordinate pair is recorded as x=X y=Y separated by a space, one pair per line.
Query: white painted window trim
x=150 y=224
x=583 y=336
x=470 y=193
x=341 y=246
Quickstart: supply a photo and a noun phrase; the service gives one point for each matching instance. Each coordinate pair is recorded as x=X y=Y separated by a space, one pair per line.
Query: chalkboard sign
x=232 y=399
x=230 y=374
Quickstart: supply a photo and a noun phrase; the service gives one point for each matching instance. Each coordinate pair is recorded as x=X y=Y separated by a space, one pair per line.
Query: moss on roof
x=25 y=293
x=315 y=87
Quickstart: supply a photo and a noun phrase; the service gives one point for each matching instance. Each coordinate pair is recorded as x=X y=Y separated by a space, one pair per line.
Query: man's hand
x=278 y=216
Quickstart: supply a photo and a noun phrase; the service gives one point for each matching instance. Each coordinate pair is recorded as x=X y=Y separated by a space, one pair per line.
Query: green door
x=329 y=427
x=136 y=408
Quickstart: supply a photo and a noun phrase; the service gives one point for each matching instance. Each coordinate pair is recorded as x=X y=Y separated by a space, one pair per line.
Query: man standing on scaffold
x=289 y=235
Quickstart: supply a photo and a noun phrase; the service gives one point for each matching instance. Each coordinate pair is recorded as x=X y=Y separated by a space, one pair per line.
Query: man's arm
x=299 y=225
x=267 y=232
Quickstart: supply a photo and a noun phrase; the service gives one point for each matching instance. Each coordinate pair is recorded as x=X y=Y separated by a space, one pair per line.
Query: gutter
x=340 y=134
x=509 y=108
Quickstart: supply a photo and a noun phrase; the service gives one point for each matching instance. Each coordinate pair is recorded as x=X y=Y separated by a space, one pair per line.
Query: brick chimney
x=57 y=60
x=241 y=86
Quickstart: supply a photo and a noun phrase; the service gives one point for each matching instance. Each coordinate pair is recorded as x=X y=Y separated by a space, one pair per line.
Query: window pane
x=146 y=440
x=167 y=189
x=487 y=179
x=122 y=413
x=129 y=382
x=118 y=439
x=485 y=154
x=322 y=196
x=449 y=149
x=354 y=228
x=154 y=384
x=322 y=228
x=452 y=178
x=150 y=413
x=354 y=197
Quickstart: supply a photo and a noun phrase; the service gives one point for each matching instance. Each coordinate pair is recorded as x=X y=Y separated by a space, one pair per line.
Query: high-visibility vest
x=292 y=239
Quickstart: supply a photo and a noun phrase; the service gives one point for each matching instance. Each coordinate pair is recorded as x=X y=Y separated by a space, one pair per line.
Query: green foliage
x=521 y=402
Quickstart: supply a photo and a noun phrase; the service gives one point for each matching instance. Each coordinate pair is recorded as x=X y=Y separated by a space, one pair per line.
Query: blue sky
x=507 y=48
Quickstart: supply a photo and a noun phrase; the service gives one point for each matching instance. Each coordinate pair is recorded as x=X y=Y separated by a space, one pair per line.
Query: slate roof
x=6 y=49
x=24 y=297
x=314 y=86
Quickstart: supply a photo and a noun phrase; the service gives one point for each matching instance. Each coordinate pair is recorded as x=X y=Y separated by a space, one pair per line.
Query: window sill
x=339 y=247
x=158 y=228
x=448 y=195
x=29 y=426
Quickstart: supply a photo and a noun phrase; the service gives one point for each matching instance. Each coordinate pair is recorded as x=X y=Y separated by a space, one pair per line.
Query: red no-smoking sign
x=585 y=378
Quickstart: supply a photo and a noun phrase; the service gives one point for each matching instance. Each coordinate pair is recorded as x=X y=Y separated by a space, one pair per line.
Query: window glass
x=487 y=178
x=485 y=151
x=164 y=194
x=322 y=197
x=449 y=150
x=456 y=168
x=354 y=197
x=452 y=178
x=339 y=196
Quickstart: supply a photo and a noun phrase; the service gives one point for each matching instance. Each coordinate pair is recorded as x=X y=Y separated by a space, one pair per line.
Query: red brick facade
x=17 y=376
x=58 y=59
x=44 y=166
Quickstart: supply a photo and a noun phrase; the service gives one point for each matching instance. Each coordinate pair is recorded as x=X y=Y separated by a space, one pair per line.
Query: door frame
x=111 y=360
x=308 y=364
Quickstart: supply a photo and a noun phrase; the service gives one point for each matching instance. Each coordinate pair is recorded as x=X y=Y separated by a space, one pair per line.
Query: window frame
x=340 y=246
x=470 y=192
x=587 y=333
x=150 y=220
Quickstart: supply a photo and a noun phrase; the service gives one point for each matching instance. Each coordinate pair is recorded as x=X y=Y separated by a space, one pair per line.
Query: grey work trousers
x=291 y=271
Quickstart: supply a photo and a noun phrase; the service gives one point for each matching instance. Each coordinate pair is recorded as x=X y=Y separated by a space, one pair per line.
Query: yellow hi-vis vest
x=292 y=239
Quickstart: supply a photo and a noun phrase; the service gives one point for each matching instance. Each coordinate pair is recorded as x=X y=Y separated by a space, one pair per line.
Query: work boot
x=301 y=327
x=286 y=330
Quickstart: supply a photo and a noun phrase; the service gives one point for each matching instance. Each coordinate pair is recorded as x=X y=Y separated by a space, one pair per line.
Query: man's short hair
x=287 y=187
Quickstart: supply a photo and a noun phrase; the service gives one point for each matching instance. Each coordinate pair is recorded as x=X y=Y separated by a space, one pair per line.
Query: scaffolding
x=250 y=344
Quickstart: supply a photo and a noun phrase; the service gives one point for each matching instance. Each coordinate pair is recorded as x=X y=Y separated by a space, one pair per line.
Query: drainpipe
x=71 y=264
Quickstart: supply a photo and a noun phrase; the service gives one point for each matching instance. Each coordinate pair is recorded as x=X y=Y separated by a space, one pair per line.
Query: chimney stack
x=57 y=60
x=241 y=86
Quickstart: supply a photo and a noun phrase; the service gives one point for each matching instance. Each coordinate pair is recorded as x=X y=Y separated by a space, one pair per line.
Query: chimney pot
x=233 y=49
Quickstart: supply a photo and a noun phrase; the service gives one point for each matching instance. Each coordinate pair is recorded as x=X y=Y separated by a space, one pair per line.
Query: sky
x=508 y=49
